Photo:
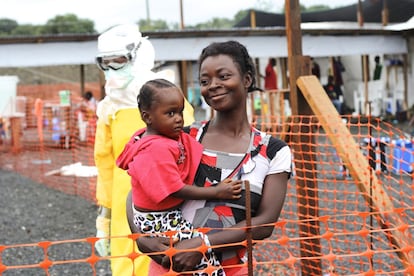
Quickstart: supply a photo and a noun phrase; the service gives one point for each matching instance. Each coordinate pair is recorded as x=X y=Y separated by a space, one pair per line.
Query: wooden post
x=183 y=63
x=384 y=13
x=405 y=76
x=249 y=236
x=303 y=148
x=82 y=79
x=252 y=19
x=181 y=15
x=16 y=131
x=366 y=79
x=360 y=16
x=258 y=78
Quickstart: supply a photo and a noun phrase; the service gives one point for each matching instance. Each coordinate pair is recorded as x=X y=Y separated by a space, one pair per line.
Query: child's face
x=167 y=113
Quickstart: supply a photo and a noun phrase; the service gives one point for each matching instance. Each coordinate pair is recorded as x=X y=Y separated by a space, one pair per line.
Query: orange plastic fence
x=350 y=235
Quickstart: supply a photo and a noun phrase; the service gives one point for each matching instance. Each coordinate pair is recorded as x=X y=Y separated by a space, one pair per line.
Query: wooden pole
x=82 y=79
x=385 y=13
x=181 y=15
x=405 y=75
x=183 y=67
x=148 y=12
x=252 y=19
x=366 y=76
x=249 y=237
x=303 y=147
x=360 y=16
x=16 y=133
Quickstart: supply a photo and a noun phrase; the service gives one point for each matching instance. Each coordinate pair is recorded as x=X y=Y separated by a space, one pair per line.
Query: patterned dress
x=266 y=155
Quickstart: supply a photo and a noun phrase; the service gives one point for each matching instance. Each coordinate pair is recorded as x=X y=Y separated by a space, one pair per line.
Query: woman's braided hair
x=237 y=52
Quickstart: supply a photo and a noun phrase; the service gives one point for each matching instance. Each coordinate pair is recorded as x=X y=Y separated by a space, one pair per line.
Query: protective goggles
x=113 y=62
x=116 y=62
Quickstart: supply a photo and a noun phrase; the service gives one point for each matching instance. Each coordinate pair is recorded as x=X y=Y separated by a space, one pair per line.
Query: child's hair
x=88 y=95
x=146 y=95
x=237 y=52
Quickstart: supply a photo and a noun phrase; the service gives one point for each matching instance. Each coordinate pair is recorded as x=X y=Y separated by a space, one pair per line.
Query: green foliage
x=215 y=23
x=68 y=24
x=318 y=8
x=264 y=5
x=71 y=24
x=7 y=26
x=27 y=30
x=311 y=8
x=61 y=24
x=240 y=15
x=152 y=25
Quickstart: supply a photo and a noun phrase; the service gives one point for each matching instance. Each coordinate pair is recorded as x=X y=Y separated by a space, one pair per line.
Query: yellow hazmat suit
x=118 y=119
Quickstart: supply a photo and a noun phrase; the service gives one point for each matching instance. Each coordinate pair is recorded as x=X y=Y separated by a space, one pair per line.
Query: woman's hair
x=237 y=52
x=146 y=96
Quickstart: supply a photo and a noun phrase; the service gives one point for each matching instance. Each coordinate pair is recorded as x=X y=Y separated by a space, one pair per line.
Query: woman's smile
x=219 y=96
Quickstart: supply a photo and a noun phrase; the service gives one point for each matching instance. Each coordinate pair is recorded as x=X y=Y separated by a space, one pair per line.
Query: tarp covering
x=398 y=11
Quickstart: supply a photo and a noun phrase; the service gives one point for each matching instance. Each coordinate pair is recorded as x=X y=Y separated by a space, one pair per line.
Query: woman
x=162 y=161
x=232 y=148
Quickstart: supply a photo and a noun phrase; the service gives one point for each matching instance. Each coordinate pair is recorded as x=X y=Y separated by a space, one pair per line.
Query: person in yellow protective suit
x=127 y=59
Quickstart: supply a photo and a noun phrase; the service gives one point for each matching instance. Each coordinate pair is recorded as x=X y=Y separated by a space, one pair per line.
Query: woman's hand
x=186 y=260
x=154 y=245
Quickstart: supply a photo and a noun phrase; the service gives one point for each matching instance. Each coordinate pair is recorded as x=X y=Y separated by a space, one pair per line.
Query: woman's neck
x=228 y=133
x=231 y=125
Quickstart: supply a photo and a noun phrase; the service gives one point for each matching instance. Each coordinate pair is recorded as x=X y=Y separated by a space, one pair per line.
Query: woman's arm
x=146 y=244
x=273 y=197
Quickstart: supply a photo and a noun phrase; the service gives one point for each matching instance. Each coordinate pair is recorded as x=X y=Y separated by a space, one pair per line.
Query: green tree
x=68 y=24
x=152 y=25
x=215 y=23
x=311 y=8
x=7 y=26
x=27 y=29
x=240 y=15
x=317 y=8
x=264 y=5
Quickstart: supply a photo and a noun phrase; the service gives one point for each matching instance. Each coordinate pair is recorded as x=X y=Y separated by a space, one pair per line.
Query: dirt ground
x=31 y=213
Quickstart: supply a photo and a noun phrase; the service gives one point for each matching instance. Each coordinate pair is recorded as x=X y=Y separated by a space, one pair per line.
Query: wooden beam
x=357 y=164
x=302 y=144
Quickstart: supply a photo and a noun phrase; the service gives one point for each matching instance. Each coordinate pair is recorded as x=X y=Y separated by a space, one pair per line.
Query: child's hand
x=229 y=189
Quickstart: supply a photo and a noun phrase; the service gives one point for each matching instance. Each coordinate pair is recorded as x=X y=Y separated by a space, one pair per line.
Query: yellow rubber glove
x=103 y=222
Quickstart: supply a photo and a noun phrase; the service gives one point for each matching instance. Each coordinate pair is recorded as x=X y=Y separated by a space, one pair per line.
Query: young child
x=162 y=161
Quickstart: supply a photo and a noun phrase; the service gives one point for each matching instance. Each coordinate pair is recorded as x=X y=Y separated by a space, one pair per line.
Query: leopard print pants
x=157 y=223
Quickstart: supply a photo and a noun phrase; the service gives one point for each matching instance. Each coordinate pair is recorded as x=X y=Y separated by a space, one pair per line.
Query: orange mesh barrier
x=353 y=217
x=56 y=149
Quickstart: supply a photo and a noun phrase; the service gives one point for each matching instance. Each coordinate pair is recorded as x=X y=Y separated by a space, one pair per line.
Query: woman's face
x=222 y=85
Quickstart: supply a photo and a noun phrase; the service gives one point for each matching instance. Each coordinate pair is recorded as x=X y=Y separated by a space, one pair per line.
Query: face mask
x=119 y=79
